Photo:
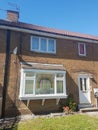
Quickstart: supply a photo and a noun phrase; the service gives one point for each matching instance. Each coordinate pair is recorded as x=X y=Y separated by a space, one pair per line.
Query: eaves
x=46 y=33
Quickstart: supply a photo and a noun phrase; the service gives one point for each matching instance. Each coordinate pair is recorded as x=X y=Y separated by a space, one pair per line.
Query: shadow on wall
x=36 y=107
x=72 y=87
x=11 y=119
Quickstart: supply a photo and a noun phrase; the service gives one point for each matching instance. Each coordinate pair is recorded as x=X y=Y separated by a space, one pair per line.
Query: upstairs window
x=82 y=49
x=44 y=45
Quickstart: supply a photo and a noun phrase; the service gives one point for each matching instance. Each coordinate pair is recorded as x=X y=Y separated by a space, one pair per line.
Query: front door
x=84 y=89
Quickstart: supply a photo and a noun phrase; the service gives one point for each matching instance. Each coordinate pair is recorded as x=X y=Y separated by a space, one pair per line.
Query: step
x=93 y=109
x=80 y=106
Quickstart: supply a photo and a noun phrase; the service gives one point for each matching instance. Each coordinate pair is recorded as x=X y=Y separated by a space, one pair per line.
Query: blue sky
x=73 y=15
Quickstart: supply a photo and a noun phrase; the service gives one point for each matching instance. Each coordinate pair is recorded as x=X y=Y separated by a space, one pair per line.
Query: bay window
x=42 y=83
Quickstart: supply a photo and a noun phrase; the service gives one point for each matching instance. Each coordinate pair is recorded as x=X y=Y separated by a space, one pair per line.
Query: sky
x=73 y=15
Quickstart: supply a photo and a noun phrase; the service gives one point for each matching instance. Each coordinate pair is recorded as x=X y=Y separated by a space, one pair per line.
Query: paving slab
x=94 y=114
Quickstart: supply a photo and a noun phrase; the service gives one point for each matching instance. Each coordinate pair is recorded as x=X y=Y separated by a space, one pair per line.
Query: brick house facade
x=40 y=66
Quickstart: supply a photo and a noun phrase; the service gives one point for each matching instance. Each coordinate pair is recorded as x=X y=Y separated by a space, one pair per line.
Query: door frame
x=88 y=87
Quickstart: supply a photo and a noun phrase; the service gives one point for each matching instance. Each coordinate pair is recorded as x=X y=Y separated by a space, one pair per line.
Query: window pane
x=59 y=86
x=43 y=44
x=85 y=84
x=35 y=43
x=82 y=49
x=51 y=46
x=29 y=74
x=44 y=84
x=59 y=75
x=29 y=86
x=81 y=86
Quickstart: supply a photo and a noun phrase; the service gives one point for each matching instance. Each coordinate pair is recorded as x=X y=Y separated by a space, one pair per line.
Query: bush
x=69 y=106
x=71 y=103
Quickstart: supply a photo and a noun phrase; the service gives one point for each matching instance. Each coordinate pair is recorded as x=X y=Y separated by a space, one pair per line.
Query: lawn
x=72 y=122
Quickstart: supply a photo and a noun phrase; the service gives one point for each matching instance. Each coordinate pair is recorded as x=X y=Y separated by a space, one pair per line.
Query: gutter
x=6 y=73
x=43 y=33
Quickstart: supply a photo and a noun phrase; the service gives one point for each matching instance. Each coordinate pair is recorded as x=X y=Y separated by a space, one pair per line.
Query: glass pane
x=29 y=74
x=82 y=49
x=35 y=43
x=51 y=46
x=44 y=84
x=43 y=44
x=85 y=84
x=59 y=86
x=59 y=75
x=81 y=87
x=29 y=86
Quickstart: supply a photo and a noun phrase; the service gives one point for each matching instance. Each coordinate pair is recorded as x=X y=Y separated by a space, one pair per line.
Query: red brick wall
x=66 y=54
x=12 y=16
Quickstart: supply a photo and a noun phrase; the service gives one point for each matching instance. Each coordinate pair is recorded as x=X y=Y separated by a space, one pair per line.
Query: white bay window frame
x=60 y=79
x=55 y=95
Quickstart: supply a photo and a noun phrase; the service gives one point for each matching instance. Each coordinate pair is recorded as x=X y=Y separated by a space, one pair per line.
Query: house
x=40 y=67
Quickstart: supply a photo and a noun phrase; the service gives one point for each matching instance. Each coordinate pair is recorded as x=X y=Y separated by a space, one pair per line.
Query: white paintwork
x=49 y=96
x=34 y=63
x=84 y=95
x=84 y=49
x=44 y=71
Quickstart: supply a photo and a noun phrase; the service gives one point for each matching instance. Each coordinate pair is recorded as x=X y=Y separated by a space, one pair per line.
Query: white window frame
x=47 y=44
x=28 y=78
x=84 y=49
x=23 y=96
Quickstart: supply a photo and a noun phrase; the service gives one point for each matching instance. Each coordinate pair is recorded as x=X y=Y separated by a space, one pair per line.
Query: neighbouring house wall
x=66 y=54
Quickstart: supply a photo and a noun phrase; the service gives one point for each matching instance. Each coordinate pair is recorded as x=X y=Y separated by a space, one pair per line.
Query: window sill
x=37 y=97
x=43 y=52
x=82 y=55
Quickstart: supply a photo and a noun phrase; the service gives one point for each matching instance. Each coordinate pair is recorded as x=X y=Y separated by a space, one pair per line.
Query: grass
x=72 y=122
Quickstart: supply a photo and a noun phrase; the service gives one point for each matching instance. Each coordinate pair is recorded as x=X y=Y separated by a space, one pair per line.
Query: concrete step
x=93 y=109
x=80 y=106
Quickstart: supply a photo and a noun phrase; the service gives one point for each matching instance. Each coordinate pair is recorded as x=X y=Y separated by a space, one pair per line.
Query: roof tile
x=47 y=29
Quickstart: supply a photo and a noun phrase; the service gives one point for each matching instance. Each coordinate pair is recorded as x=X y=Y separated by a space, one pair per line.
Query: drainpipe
x=6 y=73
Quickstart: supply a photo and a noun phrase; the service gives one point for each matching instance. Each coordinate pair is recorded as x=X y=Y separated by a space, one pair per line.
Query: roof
x=22 y=25
x=40 y=66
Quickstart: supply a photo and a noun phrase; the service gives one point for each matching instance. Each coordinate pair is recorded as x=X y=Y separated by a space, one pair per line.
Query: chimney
x=12 y=16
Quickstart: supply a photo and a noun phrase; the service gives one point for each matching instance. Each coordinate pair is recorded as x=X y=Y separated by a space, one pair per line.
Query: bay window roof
x=40 y=66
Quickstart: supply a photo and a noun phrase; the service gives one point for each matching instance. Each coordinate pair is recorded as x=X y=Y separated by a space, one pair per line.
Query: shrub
x=71 y=103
